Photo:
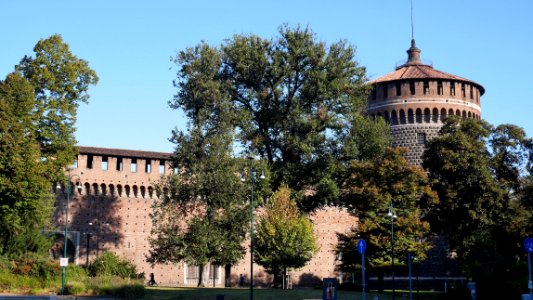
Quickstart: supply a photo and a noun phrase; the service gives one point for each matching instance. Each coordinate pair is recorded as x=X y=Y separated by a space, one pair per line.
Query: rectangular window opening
x=162 y=167
x=89 y=161
x=426 y=87
x=119 y=164
x=133 y=165
x=385 y=91
x=148 y=166
x=463 y=91
x=439 y=87
x=104 y=163
x=398 y=89
x=471 y=92
x=421 y=138
x=452 y=88
x=412 y=87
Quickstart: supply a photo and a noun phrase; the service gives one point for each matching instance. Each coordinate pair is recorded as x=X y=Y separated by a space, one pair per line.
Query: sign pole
x=361 y=247
x=528 y=246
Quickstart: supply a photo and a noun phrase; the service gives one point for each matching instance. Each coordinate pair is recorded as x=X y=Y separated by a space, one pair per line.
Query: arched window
x=127 y=190
x=103 y=188
x=112 y=190
x=410 y=116
x=95 y=189
x=458 y=112
x=435 y=115
x=402 y=116
x=469 y=115
x=119 y=190
x=450 y=112
x=87 y=188
x=135 y=191
x=418 y=115
x=443 y=114
x=394 y=118
x=427 y=115
x=464 y=114
x=150 y=192
x=143 y=191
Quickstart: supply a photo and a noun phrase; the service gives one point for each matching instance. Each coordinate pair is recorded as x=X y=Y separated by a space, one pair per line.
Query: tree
x=481 y=176
x=206 y=193
x=60 y=81
x=292 y=99
x=369 y=192
x=39 y=102
x=25 y=199
x=284 y=238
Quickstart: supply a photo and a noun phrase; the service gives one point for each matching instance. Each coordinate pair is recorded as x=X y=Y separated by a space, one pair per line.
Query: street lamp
x=58 y=187
x=252 y=181
x=392 y=215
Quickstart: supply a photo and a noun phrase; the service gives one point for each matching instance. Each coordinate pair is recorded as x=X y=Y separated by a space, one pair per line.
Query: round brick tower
x=415 y=99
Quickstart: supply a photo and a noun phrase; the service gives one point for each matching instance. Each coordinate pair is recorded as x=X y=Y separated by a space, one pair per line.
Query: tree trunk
x=284 y=278
x=227 y=275
x=200 y=276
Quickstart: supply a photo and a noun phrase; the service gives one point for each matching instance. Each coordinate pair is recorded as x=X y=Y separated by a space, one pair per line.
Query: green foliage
x=60 y=81
x=482 y=175
x=284 y=238
x=289 y=99
x=111 y=264
x=370 y=190
x=38 y=104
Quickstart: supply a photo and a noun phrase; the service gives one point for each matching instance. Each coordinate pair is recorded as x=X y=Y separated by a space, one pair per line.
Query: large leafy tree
x=206 y=193
x=482 y=175
x=294 y=101
x=284 y=238
x=60 y=81
x=25 y=199
x=39 y=102
x=369 y=192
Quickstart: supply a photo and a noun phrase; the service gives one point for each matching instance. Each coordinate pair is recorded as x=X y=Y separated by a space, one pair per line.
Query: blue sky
x=130 y=43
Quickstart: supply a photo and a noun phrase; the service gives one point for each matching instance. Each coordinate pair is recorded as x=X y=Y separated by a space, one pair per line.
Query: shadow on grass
x=266 y=294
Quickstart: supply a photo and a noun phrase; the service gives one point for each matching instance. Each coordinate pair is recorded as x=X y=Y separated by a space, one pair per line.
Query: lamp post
x=392 y=215
x=252 y=181
x=58 y=187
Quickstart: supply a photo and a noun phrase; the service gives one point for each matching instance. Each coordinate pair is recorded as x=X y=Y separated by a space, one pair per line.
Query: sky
x=130 y=45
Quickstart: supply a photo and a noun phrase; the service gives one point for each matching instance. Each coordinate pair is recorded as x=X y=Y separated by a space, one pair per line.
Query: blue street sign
x=528 y=245
x=361 y=246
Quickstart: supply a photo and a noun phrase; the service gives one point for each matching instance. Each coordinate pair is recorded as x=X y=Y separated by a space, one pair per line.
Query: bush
x=74 y=288
x=111 y=264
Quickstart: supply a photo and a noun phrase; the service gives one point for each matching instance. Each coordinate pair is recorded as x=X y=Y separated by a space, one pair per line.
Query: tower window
x=162 y=167
x=463 y=91
x=452 y=88
x=439 y=87
x=421 y=138
x=412 y=87
x=426 y=87
x=385 y=91
x=373 y=94
x=471 y=92
x=398 y=89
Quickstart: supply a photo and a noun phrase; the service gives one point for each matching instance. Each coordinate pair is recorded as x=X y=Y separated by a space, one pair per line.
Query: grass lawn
x=268 y=294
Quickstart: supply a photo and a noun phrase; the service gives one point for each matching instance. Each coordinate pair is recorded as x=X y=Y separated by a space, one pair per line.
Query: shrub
x=111 y=264
x=74 y=288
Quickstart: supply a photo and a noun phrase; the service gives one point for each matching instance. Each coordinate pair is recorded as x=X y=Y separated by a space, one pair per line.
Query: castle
x=110 y=208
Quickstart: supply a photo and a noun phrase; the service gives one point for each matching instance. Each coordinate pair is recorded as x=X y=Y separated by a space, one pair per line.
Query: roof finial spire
x=412 y=23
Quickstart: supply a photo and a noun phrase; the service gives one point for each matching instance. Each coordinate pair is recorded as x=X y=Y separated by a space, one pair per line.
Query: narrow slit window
x=412 y=87
x=471 y=92
x=426 y=87
x=439 y=87
x=421 y=138
x=385 y=91
x=463 y=91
